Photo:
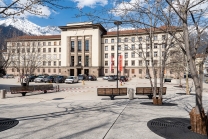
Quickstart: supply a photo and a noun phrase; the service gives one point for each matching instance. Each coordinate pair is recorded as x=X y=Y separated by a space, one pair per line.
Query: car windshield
x=40 y=76
x=69 y=77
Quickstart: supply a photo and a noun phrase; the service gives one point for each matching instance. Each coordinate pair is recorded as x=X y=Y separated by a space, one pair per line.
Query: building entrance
x=86 y=71
x=79 y=71
x=71 y=72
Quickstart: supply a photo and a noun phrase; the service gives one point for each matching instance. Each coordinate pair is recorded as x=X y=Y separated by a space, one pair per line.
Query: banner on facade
x=120 y=67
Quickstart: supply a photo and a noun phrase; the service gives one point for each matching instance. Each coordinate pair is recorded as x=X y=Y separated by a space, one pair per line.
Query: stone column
x=75 y=51
x=69 y=51
x=90 y=54
x=83 y=53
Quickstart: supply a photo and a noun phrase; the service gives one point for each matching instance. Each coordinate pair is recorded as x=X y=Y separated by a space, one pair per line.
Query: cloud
x=90 y=3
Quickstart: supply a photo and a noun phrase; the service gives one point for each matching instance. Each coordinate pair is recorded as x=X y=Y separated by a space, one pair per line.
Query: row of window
x=126 y=63
x=133 y=39
x=43 y=70
x=79 y=61
x=36 y=43
x=140 y=54
x=28 y=50
x=126 y=71
x=79 y=45
x=132 y=47
x=50 y=63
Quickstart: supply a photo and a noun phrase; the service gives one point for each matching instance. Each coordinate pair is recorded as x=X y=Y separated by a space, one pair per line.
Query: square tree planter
x=198 y=123
x=157 y=101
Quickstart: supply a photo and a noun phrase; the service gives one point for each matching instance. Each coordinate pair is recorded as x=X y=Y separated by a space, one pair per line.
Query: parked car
x=72 y=79
x=8 y=76
x=49 y=79
x=105 y=77
x=82 y=77
x=39 y=79
x=60 y=79
x=124 y=78
x=31 y=78
x=111 y=78
x=92 y=78
x=189 y=75
x=147 y=76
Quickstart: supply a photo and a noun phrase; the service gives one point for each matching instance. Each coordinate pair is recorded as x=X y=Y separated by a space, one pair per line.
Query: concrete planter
x=198 y=123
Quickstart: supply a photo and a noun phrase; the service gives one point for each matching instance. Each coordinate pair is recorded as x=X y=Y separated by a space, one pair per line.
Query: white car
x=105 y=77
x=39 y=79
x=72 y=79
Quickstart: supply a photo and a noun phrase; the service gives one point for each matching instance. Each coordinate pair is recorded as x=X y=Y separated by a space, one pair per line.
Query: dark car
x=189 y=75
x=49 y=79
x=92 y=78
x=124 y=78
x=60 y=79
x=31 y=78
x=111 y=78
x=82 y=77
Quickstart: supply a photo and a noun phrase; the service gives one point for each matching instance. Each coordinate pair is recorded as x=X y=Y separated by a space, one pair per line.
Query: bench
x=112 y=92
x=32 y=88
x=148 y=91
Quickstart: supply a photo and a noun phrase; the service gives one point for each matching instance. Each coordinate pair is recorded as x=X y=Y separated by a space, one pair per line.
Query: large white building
x=87 y=48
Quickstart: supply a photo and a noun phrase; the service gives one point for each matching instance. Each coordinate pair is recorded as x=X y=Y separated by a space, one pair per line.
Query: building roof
x=35 y=38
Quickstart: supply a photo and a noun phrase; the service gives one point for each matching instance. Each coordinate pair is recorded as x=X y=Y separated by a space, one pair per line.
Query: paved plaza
x=77 y=112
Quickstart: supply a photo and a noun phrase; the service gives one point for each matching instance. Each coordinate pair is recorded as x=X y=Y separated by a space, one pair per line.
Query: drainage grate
x=6 y=123
x=173 y=128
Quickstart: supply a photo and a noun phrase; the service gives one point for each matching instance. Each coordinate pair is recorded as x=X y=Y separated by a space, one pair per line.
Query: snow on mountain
x=29 y=27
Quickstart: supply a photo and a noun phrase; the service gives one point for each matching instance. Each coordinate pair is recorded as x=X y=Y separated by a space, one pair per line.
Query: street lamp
x=117 y=23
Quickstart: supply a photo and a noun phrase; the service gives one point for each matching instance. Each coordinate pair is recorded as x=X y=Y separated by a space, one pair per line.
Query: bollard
x=83 y=83
x=3 y=93
x=58 y=87
x=131 y=93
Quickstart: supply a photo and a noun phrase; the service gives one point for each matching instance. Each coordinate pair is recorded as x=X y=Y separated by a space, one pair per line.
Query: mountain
x=28 y=27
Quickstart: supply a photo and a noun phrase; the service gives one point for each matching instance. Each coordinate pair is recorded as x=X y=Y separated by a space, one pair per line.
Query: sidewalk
x=87 y=116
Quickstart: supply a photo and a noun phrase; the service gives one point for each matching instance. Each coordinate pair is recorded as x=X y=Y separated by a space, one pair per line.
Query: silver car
x=39 y=79
x=72 y=79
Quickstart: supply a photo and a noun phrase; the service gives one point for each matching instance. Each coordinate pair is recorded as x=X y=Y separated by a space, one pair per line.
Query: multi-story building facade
x=86 y=48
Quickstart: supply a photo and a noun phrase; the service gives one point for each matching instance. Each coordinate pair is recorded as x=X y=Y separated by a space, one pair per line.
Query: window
x=60 y=56
x=13 y=50
x=155 y=54
x=59 y=42
x=86 y=45
x=126 y=47
x=106 y=70
x=106 y=48
x=119 y=47
x=18 y=50
x=44 y=43
x=28 y=44
x=49 y=63
x=106 y=40
x=132 y=47
x=44 y=50
x=54 y=43
x=23 y=44
x=147 y=38
x=119 y=40
x=140 y=46
x=126 y=63
x=44 y=63
x=86 y=61
x=106 y=63
x=164 y=45
x=33 y=50
x=112 y=63
x=140 y=71
x=23 y=50
x=163 y=37
x=133 y=55
x=59 y=63
x=49 y=50
x=106 y=55
x=43 y=70
x=59 y=49
x=126 y=55
x=125 y=39
x=148 y=62
x=147 y=54
x=112 y=55
x=72 y=61
x=49 y=70
x=39 y=50
x=112 y=71
x=163 y=53
x=79 y=60
x=54 y=50
x=155 y=45
x=155 y=38
x=133 y=39
x=140 y=62
x=155 y=62
x=132 y=71
x=147 y=46
x=54 y=63
x=140 y=39
x=112 y=40
x=140 y=54
x=79 y=45
x=59 y=70
x=12 y=69
x=72 y=46
x=133 y=62
x=49 y=43
x=54 y=70
x=28 y=50
x=112 y=48
x=39 y=44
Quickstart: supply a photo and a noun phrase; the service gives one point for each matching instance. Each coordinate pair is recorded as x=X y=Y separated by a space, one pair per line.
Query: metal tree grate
x=6 y=123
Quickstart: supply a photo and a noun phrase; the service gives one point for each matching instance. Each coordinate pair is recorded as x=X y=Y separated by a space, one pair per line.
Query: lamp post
x=117 y=23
